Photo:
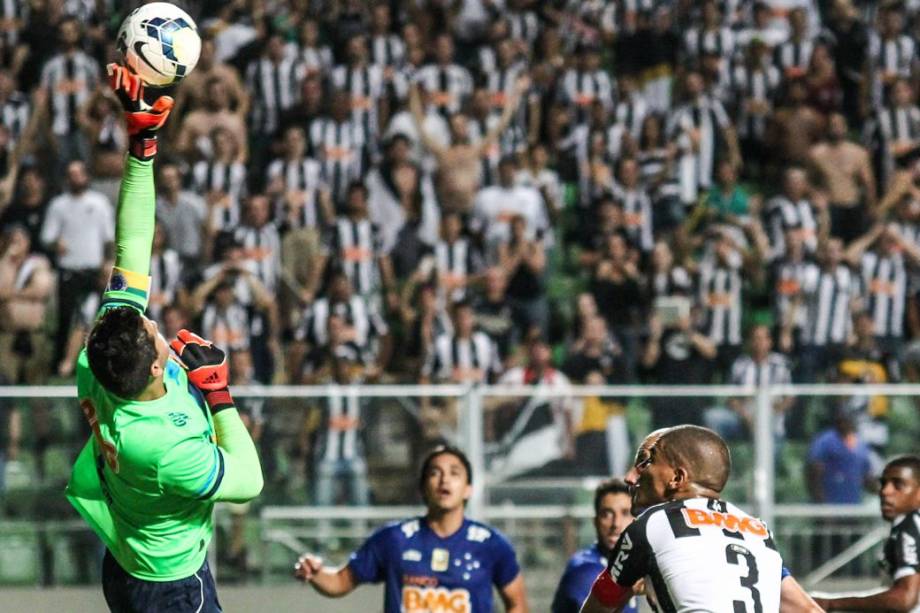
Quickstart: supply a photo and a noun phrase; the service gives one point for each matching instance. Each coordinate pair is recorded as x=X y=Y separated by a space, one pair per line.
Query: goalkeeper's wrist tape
x=218 y=400
x=143 y=148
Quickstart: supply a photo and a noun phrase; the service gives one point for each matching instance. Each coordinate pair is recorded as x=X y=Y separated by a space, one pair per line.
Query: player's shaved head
x=700 y=451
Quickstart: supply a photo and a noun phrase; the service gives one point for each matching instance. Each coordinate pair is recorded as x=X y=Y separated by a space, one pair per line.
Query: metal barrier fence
x=536 y=452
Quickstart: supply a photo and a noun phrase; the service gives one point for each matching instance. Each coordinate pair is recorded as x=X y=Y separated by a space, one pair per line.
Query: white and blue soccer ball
x=160 y=43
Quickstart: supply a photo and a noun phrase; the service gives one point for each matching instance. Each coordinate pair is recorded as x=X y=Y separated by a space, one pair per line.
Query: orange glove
x=207 y=368
x=143 y=120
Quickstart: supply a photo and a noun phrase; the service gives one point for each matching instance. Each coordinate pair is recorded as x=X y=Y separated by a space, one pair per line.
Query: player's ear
x=680 y=479
x=467 y=491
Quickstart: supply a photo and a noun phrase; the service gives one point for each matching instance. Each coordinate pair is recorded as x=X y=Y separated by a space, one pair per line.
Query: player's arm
x=514 y=596
x=793 y=599
x=613 y=587
x=901 y=596
x=136 y=212
x=328 y=581
x=606 y=595
x=229 y=470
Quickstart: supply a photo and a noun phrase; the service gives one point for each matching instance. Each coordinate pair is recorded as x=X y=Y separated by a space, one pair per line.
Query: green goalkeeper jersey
x=147 y=479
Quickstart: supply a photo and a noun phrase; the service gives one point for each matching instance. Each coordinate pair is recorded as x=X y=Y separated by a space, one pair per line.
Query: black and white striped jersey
x=356 y=312
x=458 y=260
x=365 y=86
x=340 y=435
x=720 y=294
x=706 y=117
x=884 y=278
x=580 y=90
x=165 y=280
x=675 y=282
x=315 y=59
x=275 y=87
x=387 y=50
x=14 y=116
x=303 y=175
x=760 y=85
x=523 y=25
x=783 y=215
x=901 y=552
x=637 y=216
x=447 y=86
x=698 y=41
x=631 y=112
x=700 y=554
x=262 y=246
x=789 y=279
x=209 y=176
x=355 y=246
x=70 y=80
x=15 y=14
x=896 y=56
x=793 y=55
x=462 y=360
x=478 y=128
x=341 y=149
x=828 y=297
x=228 y=328
x=889 y=126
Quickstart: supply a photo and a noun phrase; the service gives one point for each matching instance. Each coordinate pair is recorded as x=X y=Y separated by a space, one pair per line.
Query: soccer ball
x=160 y=43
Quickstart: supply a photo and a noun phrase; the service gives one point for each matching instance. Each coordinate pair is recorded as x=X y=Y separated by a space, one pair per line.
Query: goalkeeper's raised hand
x=207 y=368
x=143 y=119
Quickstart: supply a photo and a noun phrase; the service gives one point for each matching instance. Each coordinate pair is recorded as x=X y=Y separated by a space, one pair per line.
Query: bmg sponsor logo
x=435 y=600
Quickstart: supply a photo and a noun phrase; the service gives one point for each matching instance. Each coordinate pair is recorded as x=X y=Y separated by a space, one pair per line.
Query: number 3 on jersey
x=733 y=555
x=108 y=449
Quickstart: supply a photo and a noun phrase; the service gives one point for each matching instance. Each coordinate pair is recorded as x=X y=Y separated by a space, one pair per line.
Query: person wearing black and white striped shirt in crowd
x=457 y=261
x=364 y=83
x=221 y=181
x=296 y=185
x=761 y=367
x=69 y=78
x=354 y=243
x=793 y=210
x=338 y=451
x=340 y=145
x=481 y=122
x=274 y=83
x=631 y=107
x=701 y=129
x=711 y=36
x=882 y=256
x=755 y=83
x=388 y=50
x=636 y=204
x=315 y=57
x=362 y=323
x=446 y=83
x=500 y=82
x=895 y=129
x=261 y=243
x=719 y=287
x=466 y=356
x=830 y=294
x=790 y=273
x=15 y=110
x=892 y=53
x=793 y=57
x=166 y=276
x=523 y=23
x=587 y=83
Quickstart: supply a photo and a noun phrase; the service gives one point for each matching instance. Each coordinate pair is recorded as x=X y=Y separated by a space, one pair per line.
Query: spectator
x=365 y=85
x=194 y=137
x=107 y=140
x=221 y=181
x=794 y=210
x=166 y=276
x=844 y=170
x=794 y=56
x=446 y=83
x=192 y=93
x=637 y=205
x=315 y=56
x=340 y=144
x=794 y=129
x=894 y=132
x=789 y=275
x=495 y=314
x=524 y=262
x=297 y=187
x=466 y=356
x=587 y=83
x=615 y=283
x=755 y=83
x=839 y=468
x=26 y=284
x=182 y=215
x=761 y=367
x=69 y=78
x=29 y=206
x=457 y=261
x=78 y=229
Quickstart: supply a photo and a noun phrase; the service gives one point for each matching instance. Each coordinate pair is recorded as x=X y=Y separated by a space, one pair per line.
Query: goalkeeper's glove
x=207 y=368
x=143 y=119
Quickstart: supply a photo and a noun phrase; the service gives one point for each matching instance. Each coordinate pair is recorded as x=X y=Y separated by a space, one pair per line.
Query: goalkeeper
x=167 y=441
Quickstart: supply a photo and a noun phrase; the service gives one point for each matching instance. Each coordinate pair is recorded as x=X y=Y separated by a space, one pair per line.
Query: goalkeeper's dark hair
x=120 y=351
x=910 y=461
x=442 y=450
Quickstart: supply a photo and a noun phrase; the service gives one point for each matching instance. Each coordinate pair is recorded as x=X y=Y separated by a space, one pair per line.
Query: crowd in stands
x=537 y=192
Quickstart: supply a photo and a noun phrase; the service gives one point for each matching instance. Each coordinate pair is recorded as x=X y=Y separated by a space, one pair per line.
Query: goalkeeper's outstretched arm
x=136 y=214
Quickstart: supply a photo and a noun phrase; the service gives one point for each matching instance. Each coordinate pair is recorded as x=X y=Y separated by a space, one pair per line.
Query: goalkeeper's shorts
x=127 y=594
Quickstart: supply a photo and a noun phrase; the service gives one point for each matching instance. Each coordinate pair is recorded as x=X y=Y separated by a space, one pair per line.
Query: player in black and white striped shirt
x=900 y=504
x=695 y=551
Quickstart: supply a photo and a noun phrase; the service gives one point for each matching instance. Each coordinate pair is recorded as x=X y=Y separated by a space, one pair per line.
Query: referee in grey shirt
x=79 y=229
